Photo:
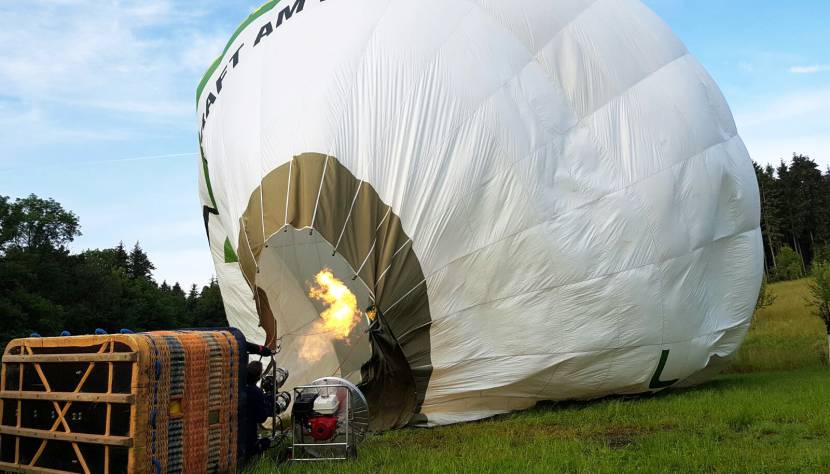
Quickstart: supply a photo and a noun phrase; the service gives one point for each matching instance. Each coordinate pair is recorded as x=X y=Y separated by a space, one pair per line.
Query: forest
x=795 y=217
x=46 y=289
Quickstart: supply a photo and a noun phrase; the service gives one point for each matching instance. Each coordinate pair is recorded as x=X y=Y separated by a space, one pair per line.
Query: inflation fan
x=330 y=418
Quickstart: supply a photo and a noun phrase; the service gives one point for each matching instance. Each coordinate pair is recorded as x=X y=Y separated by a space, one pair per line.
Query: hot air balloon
x=470 y=206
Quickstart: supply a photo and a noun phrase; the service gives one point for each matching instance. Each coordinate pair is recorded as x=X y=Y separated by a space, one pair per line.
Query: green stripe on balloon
x=251 y=18
x=230 y=254
x=207 y=178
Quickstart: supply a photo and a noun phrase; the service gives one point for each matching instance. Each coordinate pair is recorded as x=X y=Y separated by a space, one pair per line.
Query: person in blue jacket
x=257 y=412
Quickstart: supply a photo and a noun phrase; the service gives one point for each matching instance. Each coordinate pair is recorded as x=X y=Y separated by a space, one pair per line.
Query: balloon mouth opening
x=322 y=321
x=313 y=214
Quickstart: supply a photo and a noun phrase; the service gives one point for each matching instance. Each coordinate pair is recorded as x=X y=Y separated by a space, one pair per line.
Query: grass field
x=784 y=336
x=771 y=413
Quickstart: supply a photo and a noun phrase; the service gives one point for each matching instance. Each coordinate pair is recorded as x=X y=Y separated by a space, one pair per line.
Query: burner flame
x=337 y=320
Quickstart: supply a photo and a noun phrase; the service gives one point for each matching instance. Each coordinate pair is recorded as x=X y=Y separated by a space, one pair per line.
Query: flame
x=312 y=347
x=342 y=314
x=338 y=319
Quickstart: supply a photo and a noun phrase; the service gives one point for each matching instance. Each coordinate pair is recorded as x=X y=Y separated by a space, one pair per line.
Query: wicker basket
x=138 y=403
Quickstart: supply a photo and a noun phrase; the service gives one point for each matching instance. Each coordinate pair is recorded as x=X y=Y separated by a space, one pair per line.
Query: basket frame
x=21 y=353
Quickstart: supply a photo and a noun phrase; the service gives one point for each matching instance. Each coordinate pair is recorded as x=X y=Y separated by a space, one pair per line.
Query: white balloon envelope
x=538 y=200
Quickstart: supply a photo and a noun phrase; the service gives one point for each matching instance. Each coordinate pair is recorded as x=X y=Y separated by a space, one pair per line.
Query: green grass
x=786 y=335
x=756 y=419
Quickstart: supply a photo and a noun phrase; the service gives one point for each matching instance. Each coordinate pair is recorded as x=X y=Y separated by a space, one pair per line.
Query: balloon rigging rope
x=319 y=191
x=404 y=296
x=391 y=260
x=352 y=347
x=374 y=243
x=348 y=217
x=262 y=207
x=250 y=250
x=288 y=190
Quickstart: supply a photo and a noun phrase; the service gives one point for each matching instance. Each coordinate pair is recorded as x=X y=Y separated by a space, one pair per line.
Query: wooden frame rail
x=64 y=436
x=69 y=396
x=11 y=467
x=98 y=357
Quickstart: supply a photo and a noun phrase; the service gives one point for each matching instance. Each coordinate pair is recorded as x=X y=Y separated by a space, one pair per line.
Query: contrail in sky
x=102 y=162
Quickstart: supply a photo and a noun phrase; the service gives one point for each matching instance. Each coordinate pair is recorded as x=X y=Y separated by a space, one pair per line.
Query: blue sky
x=97 y=103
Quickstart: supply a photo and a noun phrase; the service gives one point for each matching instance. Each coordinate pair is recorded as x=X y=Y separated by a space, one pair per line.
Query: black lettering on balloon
x=208 y=102
x=235 y=57
x=656 y=383
x=285 y=13
x=266 y=30
x=220 y=79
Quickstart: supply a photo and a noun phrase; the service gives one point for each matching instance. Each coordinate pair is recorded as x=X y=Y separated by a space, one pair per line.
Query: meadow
x=768 y=413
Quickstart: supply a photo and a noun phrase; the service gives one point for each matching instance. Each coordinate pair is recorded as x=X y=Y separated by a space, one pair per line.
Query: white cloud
x=116 y=78
x=813 y=69
x=124 y=67
x=180 y=109
x=24 y=121
x=797 y=122
x=794 y=105
x=746 y=66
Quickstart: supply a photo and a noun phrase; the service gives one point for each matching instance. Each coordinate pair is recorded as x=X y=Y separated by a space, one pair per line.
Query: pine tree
x=770 y=212
x=209 y=311
x=798 y=183
x=809 y=180
x=139 y=265
x=822 y=211
x=122 y=258
x=193 y=295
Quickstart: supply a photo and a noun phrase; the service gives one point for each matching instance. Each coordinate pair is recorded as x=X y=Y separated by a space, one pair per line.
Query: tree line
x=795 y=217
x=46 y=289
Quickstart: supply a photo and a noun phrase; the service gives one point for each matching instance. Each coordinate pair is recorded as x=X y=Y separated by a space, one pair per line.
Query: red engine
x=323 y=427
x=325 y=423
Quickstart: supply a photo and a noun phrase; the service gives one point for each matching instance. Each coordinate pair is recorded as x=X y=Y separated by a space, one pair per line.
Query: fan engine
x=330 y=417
